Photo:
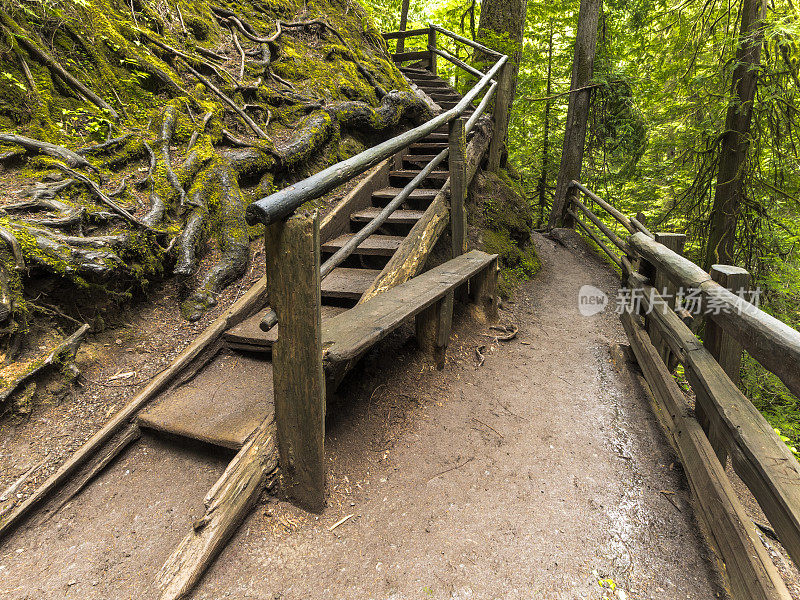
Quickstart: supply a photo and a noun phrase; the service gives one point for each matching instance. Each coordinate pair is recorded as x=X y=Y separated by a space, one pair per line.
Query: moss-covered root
x=226 y=209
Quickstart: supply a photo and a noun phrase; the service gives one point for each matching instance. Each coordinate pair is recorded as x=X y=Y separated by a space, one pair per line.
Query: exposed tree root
x=62 y=355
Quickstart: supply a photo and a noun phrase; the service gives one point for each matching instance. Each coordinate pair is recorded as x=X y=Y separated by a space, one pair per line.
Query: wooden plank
x=393 y=35
x=347 y=336
x=409 y=174
x=407 y=56
x=398 y=217
x=675 y=242
x=483 y=294
x=374 y=245
x=759 y=456
x=771 y=342
x=241 y=309
x=230 y=500
x=419 y=194
x=250 y=337
x=458 y=187
x=292 y=250
x=748 y=568
x=348 y=283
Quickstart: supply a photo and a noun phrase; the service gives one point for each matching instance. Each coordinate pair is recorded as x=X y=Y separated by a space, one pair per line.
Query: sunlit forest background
x=661 y=86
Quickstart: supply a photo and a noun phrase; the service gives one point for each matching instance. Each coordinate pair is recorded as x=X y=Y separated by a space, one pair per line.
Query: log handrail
x=394 y=35
x=281 y=204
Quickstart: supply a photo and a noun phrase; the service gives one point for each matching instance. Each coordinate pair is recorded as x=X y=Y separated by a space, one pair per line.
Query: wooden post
x=723 y=347
x=432 y=44
x=401 y=41
x=675 y=242
x=501 y=106
x=458 y=187
x=433 y=329
x=292 y=250
x=483 y=293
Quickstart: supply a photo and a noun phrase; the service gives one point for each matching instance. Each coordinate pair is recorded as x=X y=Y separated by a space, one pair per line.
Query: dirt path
x=537 y=475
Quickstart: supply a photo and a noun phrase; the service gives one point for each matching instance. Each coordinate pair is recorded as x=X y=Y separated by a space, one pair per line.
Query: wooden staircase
x=198 y=410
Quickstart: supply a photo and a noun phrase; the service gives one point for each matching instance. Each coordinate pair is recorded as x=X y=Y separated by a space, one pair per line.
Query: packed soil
x=539 y=472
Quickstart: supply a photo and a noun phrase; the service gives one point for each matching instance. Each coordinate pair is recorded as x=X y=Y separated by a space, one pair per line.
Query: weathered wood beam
x=750 y=572
x=771 y=342
x=292 y=249
x=254 y=469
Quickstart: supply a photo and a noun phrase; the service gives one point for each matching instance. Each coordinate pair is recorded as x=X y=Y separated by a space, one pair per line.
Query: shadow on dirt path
x=541 y=474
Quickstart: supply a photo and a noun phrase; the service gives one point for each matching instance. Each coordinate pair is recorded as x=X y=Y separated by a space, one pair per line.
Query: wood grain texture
x=458 y=187
x=750 y=573
x=298 y=382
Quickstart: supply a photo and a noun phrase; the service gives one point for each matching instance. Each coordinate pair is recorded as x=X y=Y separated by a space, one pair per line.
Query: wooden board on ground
x=249 y=337
x=221 y=405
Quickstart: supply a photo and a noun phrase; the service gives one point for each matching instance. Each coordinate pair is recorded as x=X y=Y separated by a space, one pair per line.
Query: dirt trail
x=537 y=475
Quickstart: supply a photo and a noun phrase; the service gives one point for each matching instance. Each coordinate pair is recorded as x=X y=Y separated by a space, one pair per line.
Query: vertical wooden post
x=483 y=293
x=501 y=113
x=401 y=41
x=723 y=347
x=433 y=329
x=458 y=187
x=292 y=250
x=675 y=242
x=432 y=44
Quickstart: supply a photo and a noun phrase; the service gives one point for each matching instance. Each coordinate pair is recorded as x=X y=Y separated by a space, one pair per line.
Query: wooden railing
x=294 y=273
x=724 y=423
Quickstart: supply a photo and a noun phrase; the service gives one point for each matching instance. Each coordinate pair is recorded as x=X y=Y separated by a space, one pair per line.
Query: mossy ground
x=501 y=223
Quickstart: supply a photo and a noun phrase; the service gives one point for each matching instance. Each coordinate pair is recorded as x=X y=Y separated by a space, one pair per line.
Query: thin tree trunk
x=735 y=140
x=401 y=42
x=502 y=28
x=578 y=109
x=542 y=187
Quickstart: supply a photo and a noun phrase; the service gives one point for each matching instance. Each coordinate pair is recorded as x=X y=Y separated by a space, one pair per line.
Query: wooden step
x=434 y=85
x=217 y=406
x=418 y=161
x=400 y=216
x=418 y=194
x=374 y=245
x=248 y=336
x=436 y=137
x=347 y=283
x=406 y=175
x=427 y=147
x=445 y=95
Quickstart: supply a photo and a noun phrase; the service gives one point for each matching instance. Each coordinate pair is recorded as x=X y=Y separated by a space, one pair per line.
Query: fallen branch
x=62 y=354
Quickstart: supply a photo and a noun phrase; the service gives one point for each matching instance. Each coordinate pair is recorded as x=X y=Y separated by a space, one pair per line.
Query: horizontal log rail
x=732 y=425
x=395 y=35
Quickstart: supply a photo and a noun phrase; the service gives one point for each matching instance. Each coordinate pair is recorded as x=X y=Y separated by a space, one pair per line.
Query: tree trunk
x=401 y=42
x=578 y=109
x=735 y=140
x=542 y=186
x=502 y=28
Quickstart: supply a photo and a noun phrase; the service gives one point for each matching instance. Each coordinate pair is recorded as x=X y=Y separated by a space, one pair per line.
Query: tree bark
x=541 y=188
x=578 y=109
x=502 y=28
x=735 y=140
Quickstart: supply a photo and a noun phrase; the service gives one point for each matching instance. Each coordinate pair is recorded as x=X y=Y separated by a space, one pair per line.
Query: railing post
x=675 y=242
x=500 y=115
x=431 y=45
x=458 y=186
x=433 y=329
x=723 y=347
x=292 y=250
x=483 y=293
